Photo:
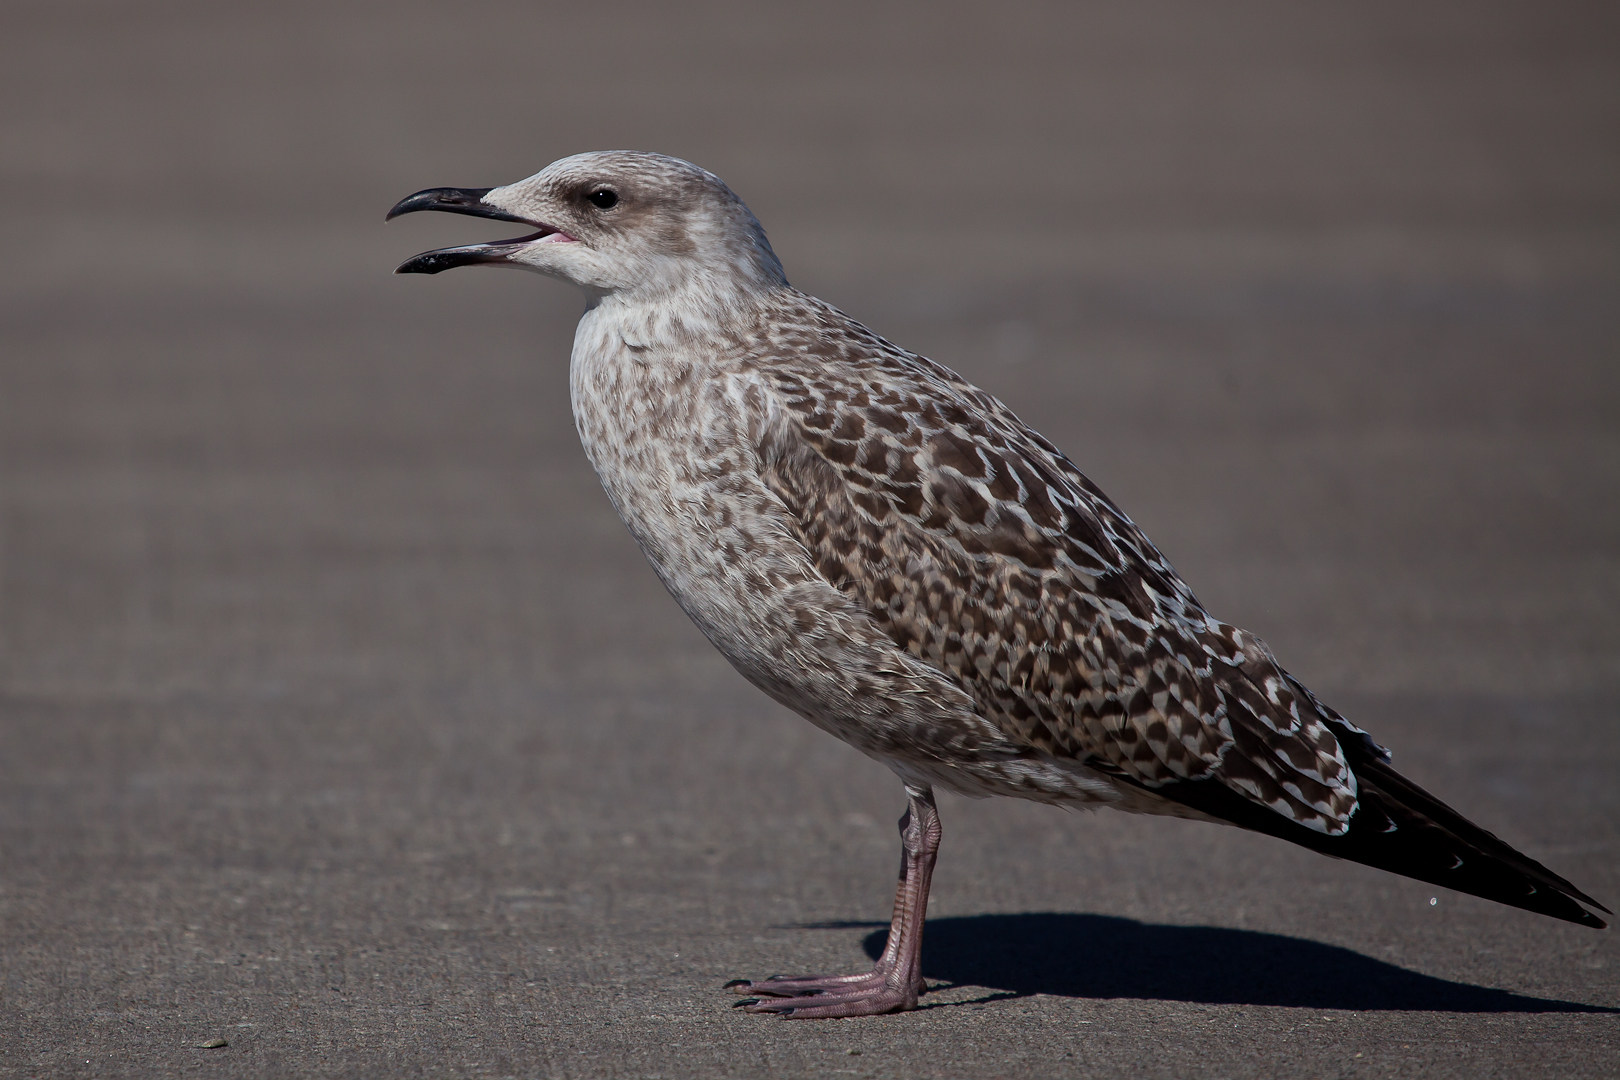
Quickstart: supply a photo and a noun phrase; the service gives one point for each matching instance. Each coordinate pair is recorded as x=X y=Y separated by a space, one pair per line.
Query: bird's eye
x=604 y=198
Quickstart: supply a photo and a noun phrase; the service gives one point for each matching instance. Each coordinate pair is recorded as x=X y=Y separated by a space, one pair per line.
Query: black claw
x=736 y=982
x=784 y=1012
x=743 y=1003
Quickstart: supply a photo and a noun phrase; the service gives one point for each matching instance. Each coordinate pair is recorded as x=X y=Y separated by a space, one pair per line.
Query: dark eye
x=604 y=198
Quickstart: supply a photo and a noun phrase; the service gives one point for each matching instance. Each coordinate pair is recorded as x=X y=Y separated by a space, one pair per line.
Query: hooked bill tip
x=468 y=201
x=422 y=264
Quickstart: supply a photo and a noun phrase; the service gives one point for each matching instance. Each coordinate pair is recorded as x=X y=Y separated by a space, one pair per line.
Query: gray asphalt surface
x=340 y=718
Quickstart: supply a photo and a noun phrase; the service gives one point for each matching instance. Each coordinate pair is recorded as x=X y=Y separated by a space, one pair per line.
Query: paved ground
x=340 y=719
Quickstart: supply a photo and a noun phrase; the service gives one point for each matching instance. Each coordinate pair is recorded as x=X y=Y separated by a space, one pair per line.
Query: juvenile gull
x=888 y=551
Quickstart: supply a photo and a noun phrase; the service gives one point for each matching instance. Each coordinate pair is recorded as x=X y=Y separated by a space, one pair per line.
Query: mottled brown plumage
x=980 y=549
x=889 y=551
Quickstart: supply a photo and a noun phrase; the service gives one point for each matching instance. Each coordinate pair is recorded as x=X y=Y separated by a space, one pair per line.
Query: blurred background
x=340 y=717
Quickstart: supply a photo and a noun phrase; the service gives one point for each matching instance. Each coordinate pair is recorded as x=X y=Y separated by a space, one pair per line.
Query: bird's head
x=613 y=222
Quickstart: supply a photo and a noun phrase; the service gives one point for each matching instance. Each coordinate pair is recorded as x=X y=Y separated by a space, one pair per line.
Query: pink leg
x=895 y=981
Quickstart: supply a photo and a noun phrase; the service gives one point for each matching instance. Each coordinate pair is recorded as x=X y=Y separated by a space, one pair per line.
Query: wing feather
x=980 y=549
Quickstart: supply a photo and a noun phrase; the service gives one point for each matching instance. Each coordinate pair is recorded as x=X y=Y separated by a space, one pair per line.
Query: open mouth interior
x=546 y=235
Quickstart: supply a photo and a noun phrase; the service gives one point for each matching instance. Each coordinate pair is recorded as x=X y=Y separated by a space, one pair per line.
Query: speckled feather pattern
x=888 y=550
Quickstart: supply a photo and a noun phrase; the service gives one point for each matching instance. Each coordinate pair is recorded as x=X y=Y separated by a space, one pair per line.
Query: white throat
x=667 y=317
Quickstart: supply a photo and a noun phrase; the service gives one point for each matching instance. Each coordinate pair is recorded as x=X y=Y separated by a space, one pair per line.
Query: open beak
x=468 y=201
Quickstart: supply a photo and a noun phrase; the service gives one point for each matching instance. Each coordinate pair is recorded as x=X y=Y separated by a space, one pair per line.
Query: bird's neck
x=674 y=315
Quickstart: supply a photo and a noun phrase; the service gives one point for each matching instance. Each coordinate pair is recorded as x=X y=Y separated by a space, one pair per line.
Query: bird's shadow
x=1100 y=956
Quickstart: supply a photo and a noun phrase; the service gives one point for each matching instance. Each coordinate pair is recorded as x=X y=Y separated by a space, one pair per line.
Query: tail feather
x=1402 y=828
x=1394 y=789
